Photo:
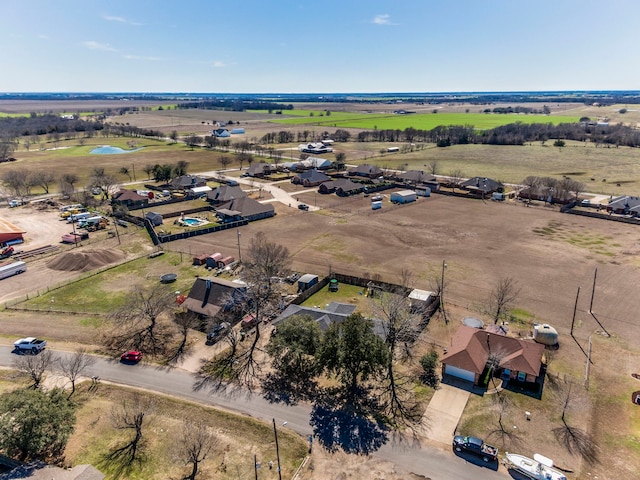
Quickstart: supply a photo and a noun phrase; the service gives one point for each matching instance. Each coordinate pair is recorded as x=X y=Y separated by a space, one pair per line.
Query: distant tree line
x=513 y=134
x=36 y=124
x=235 y=105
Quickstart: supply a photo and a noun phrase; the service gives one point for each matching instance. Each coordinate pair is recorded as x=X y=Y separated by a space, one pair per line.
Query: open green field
x=427 y=121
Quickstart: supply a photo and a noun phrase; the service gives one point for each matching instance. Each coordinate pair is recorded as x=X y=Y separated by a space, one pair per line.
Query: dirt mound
x=85 y=260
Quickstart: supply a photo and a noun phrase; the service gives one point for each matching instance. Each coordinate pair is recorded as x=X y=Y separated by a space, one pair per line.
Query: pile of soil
x=85 y=260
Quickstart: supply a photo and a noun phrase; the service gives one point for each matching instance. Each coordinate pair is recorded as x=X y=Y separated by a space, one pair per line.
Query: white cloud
x=218 y=64
x=43 y=37
x=113 y=18
x=93 y=45
x=382 y=19
x=142 y=57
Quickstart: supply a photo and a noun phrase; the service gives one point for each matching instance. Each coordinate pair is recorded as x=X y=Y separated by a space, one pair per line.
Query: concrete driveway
x=441 y=418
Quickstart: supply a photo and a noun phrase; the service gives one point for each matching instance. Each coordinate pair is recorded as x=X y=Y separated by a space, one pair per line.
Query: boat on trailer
x=538 y=468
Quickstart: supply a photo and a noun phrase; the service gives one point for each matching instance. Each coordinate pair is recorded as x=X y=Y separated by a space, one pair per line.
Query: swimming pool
x=109 y=150
x=191 y=222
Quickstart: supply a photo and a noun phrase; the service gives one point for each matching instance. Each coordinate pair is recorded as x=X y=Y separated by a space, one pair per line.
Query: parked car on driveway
x=217 y=332
x=132 y=356
x=303 y=206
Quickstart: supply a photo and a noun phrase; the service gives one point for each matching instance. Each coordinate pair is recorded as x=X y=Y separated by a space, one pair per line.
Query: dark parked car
x=475 y=446
x=303 y=206
x=132 y=356
x=217 y=332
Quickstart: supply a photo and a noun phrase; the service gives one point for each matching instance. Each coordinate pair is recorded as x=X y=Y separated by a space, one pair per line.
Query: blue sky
x=257 y=46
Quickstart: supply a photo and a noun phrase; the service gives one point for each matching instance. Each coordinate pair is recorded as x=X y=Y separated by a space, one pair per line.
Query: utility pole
x=239 y=251
x=593 y=290
x=275 y=433
x=575 y=307
x=444 y=315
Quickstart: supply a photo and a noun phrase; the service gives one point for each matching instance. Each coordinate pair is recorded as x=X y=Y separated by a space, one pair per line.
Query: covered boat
x=540 y=468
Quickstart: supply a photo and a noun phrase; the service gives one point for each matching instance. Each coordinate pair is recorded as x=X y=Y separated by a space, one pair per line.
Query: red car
x=131 y=356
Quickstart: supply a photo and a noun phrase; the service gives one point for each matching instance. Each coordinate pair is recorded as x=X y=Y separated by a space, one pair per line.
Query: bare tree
x=131 y=414
x=7 y=146
x=148 y=170
x=433 y=167
x=100 y=179
x=67 y=183
x=125 y=171
x=570 y=398
x=35 y=366
x=532 y=183
x=17 y=181
x=401 y=325
x=138 y=324
x=43 y=179
x=264 y=261
x=225 y=161
x=502 y=297
x=454 y=178
x=194 y=444
x=74 y=366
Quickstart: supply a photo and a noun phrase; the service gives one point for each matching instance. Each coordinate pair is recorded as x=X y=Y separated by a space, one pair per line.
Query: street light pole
x=239 y=251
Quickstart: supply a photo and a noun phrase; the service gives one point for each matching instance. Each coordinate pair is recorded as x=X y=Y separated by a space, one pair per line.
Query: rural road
x=433 y=463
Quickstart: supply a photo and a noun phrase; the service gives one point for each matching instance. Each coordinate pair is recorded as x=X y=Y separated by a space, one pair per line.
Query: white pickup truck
x=30 y=344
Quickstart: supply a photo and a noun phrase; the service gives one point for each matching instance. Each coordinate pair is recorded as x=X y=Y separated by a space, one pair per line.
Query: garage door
x=460 y=373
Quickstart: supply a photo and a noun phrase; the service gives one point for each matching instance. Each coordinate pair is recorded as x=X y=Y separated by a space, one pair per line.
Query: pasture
x=426 y=121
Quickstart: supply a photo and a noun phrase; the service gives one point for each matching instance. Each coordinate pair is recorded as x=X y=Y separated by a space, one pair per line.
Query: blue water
x=191 y=221
x=108 y=150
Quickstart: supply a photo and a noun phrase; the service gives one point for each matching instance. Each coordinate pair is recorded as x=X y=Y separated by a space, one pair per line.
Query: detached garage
x=404 y=196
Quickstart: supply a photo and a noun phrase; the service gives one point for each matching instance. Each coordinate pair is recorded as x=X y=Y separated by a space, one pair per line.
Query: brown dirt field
x=551 y=254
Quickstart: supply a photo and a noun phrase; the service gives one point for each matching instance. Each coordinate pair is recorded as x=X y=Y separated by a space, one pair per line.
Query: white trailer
x=12 y=269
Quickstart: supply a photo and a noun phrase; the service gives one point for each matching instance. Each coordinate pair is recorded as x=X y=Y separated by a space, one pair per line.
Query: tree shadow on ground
x=348 y=424
x=578 y=441
x=279 y=389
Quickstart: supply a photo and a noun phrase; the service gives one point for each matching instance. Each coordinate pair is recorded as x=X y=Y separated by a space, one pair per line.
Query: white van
x=12 y=269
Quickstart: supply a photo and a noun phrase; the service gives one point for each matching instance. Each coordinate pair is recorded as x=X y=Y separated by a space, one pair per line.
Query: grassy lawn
x=350 y=294
x=110 y=289
x=426 y=121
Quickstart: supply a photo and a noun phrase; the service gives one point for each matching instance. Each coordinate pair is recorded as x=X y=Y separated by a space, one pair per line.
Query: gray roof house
x=369 y=171
x=247 y=208
x=185 y=182
x=481 y=185
x=415 y=177
x=341 y=186
x=259 y=169
x=221 y=133
x=210 y=296
x=334 y=312
x=310 y=178
x=624 y=205
x=225 y=193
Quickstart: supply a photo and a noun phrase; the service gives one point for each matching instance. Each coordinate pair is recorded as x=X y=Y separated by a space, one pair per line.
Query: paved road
x=430 y=462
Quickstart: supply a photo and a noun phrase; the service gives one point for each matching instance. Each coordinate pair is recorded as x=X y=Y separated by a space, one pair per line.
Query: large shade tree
x=35 y=424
